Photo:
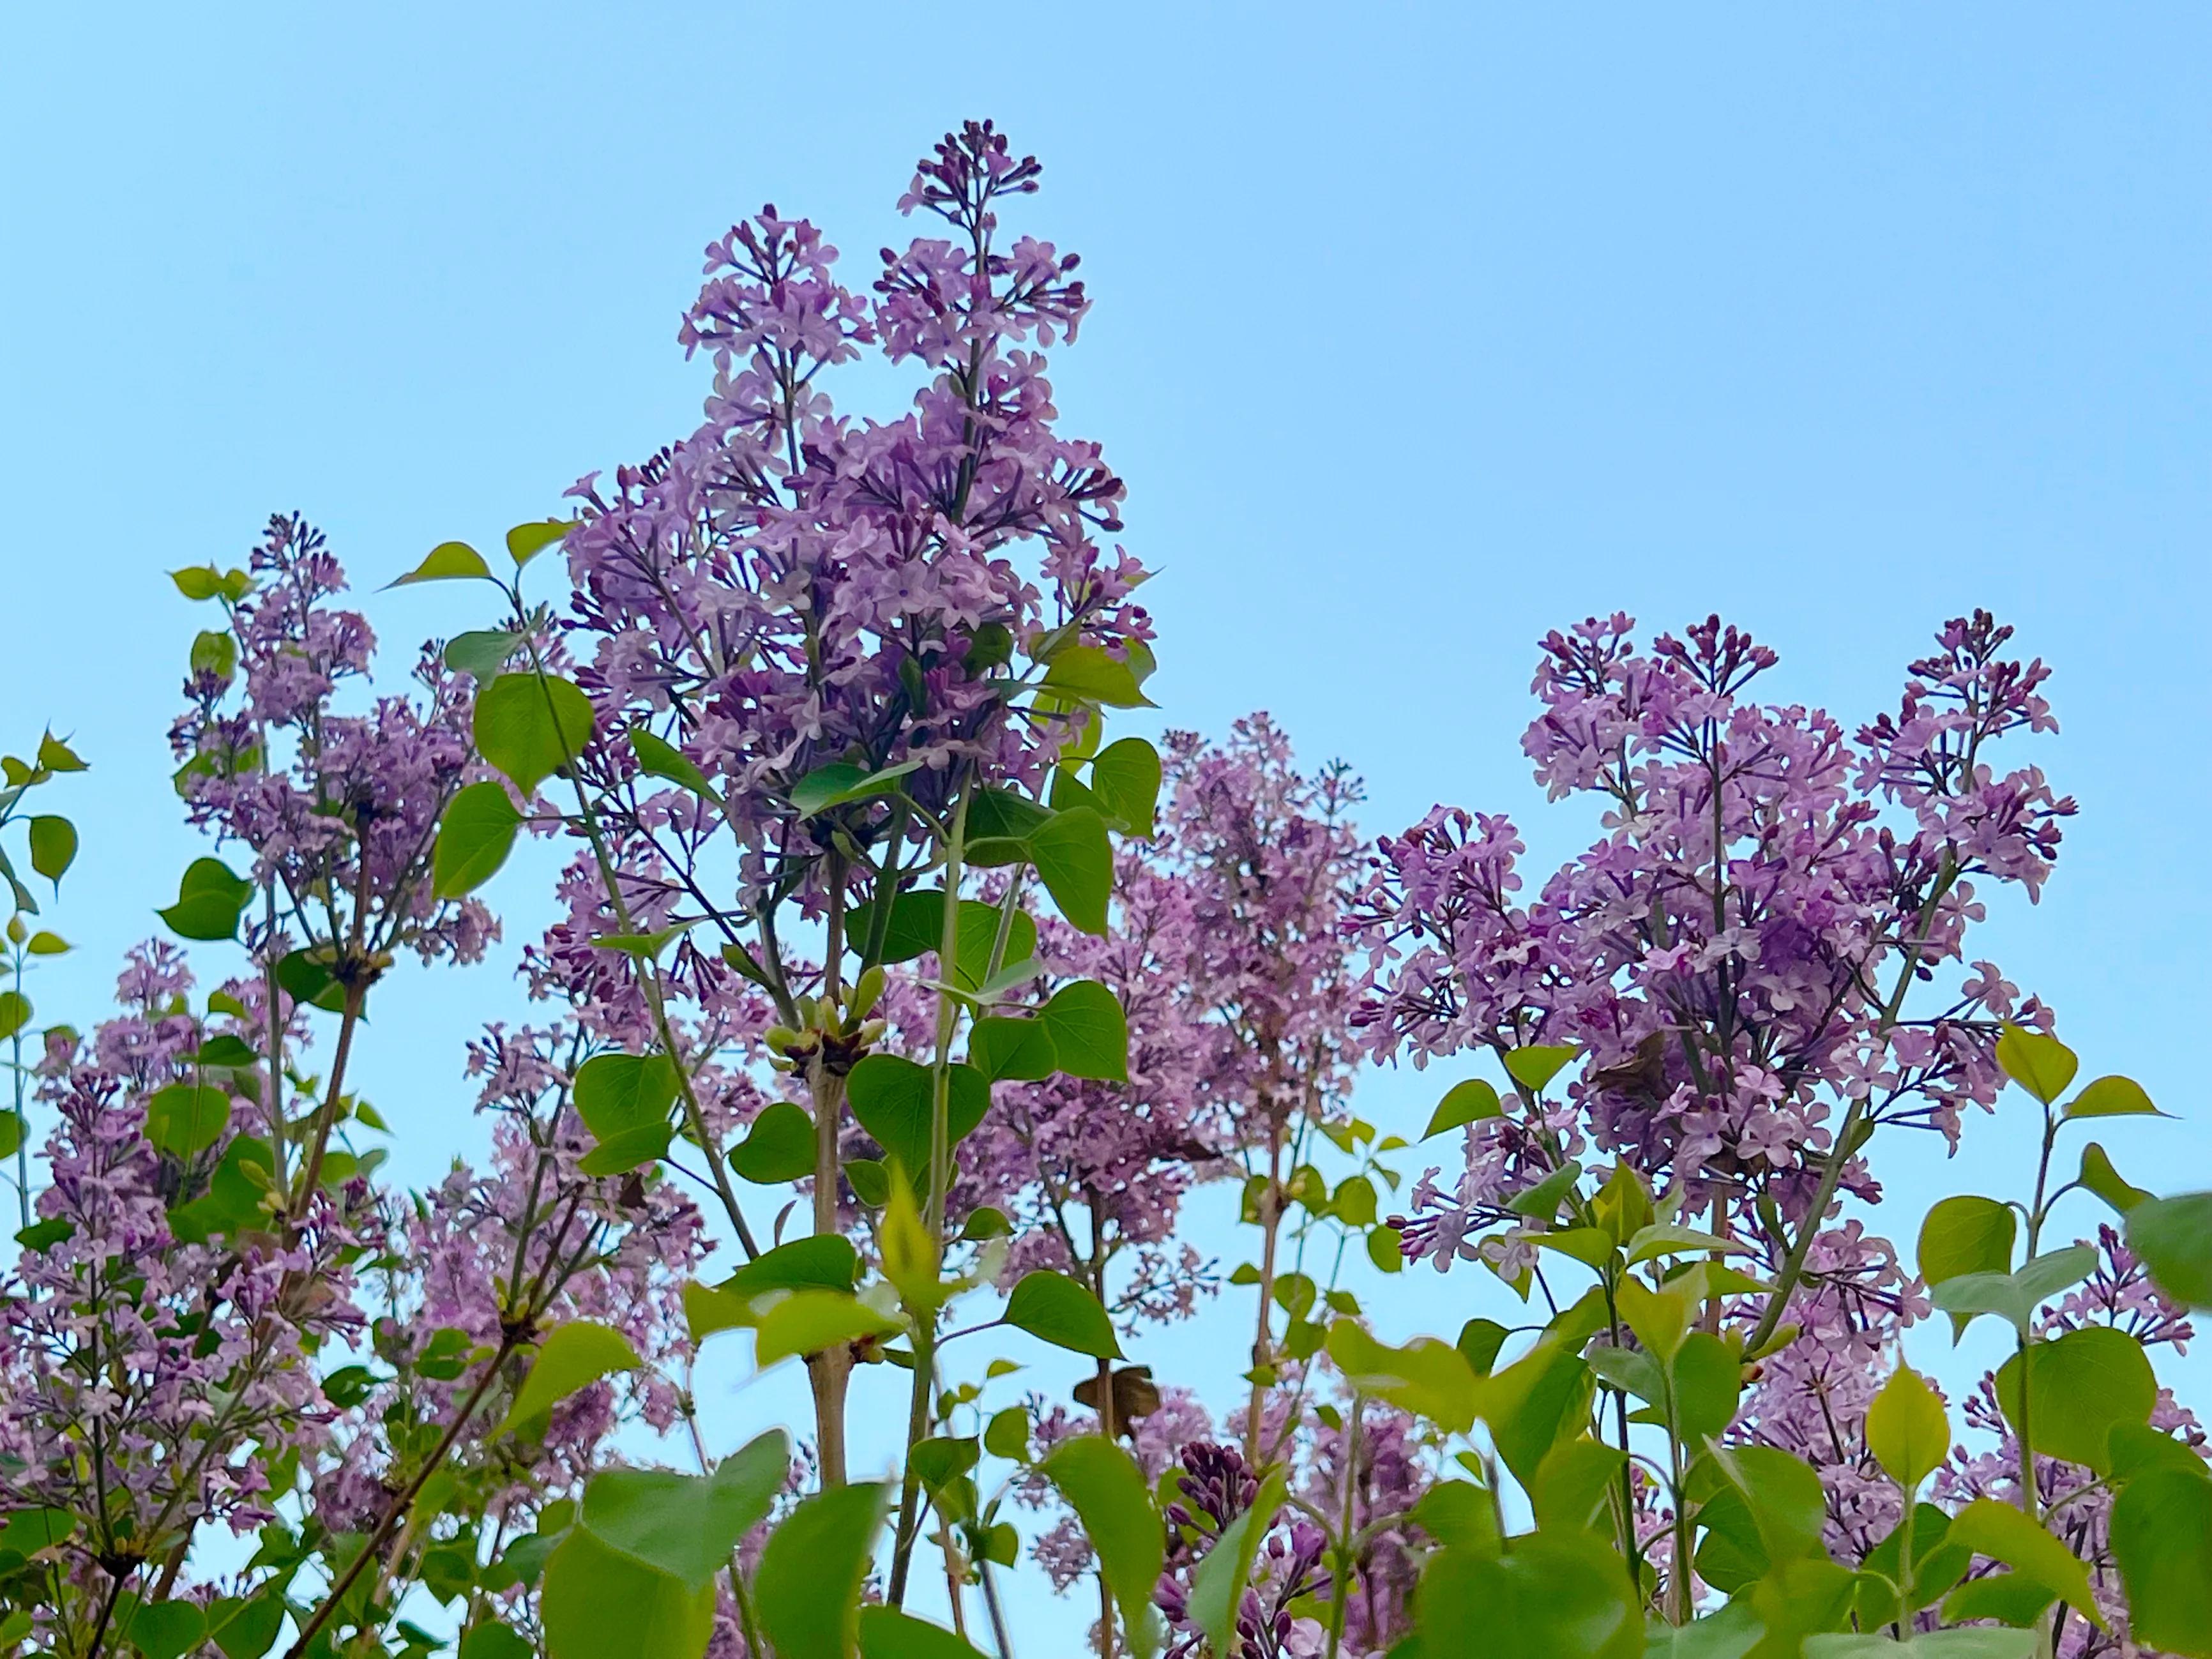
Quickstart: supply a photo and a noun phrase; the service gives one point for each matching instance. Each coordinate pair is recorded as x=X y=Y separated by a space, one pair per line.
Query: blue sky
x=1419 y=330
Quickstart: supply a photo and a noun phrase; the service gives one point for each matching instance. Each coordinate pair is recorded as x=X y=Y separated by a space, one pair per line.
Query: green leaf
x=645 y=947
x=573 y=1357
x=808 y=1588
x=1480 y=1339
x=250 y=1629
x=824 y=1261
x=1004 y=815
x=42 y=1235
x=1907 y=1429
x=1125 y=780
x=1708 y=1379
x=1463 y=1103
x=1966 y=1235
x=1537 y=1065
x=1573 y=1483
x=2161 y=1538
x=1427 y=1377
x=43 y=944
x=686 y=1525
x=183 y=1119
x=1384 y=1250
x=27 y=1532
x=1731 y=1633
x=494 y=1641
x=597 y=1602
x=1937 y=1565
x=1590 y=1246
x=2099 y=1175
x=1090 y=1033
x=942 y=1459
x=55 y=756
x=1631 y=1371
x=2112 y=1097
x=778 y=1147
x=446 y=561
x=225 y=1051
x=2173 y=1237
x=1623 y=1204
x=628 y=1149
x=2002 y=1532
x=215 y=651
x=2080 y=1386
x=659 y=758
x=1108 y=1493
x=1007 y=1434
x=840 y=785
x=916 y=928
x=1076 y=864
x=168 y=1630
x=11 y=1133
x=1541 y=1201
x=1011 y=1050
x=209 y=900
x=1982 y=1643
x=474 y=839
x=1555 y=1596
x=526 y=541
x=1667 y=1238
x=888 y=1633
x=1089 y=673
x=809 y=1322
x=892 y=1098
x=1056 y=1309
x=529 y=728
x=2039 y=1063
x=1778 y=1495
x=1539 y=1399
x=710 y=1310
x=1355 y=1202
x=15 y=1013
x=912 y=1256
x=1068 y=790
x=308 y=983
x=1216 y=1587
x=616 y=1093
x=2137 y=1449
x=481 y=654
x=871 y=1180
x=53 y=846
x=2015 y=1296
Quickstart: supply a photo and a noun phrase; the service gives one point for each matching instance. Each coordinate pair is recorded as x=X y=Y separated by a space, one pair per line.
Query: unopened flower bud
x=868 y=992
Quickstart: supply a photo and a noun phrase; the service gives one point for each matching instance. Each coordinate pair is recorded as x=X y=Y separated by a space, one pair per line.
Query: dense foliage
x=897 y=1002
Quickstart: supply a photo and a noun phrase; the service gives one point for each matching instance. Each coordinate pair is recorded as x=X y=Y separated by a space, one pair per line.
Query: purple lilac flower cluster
x=1747 y=951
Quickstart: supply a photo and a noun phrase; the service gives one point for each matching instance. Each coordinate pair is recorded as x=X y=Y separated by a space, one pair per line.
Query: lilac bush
x=898 y=1010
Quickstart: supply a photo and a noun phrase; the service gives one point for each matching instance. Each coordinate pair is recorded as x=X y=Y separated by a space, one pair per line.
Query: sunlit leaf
x=573 y=1357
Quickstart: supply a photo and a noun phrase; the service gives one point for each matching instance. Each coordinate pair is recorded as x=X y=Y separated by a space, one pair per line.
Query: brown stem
x=401 y=1500
x=1005 y=1644
x=115 y=1581
x=1271 y=1220
x=326 y=1119
x=1106 y=1427
x=829 y=1374
x=908 y=1528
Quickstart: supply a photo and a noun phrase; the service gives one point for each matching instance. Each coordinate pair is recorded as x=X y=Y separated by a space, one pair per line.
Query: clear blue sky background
x=1419 y=330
